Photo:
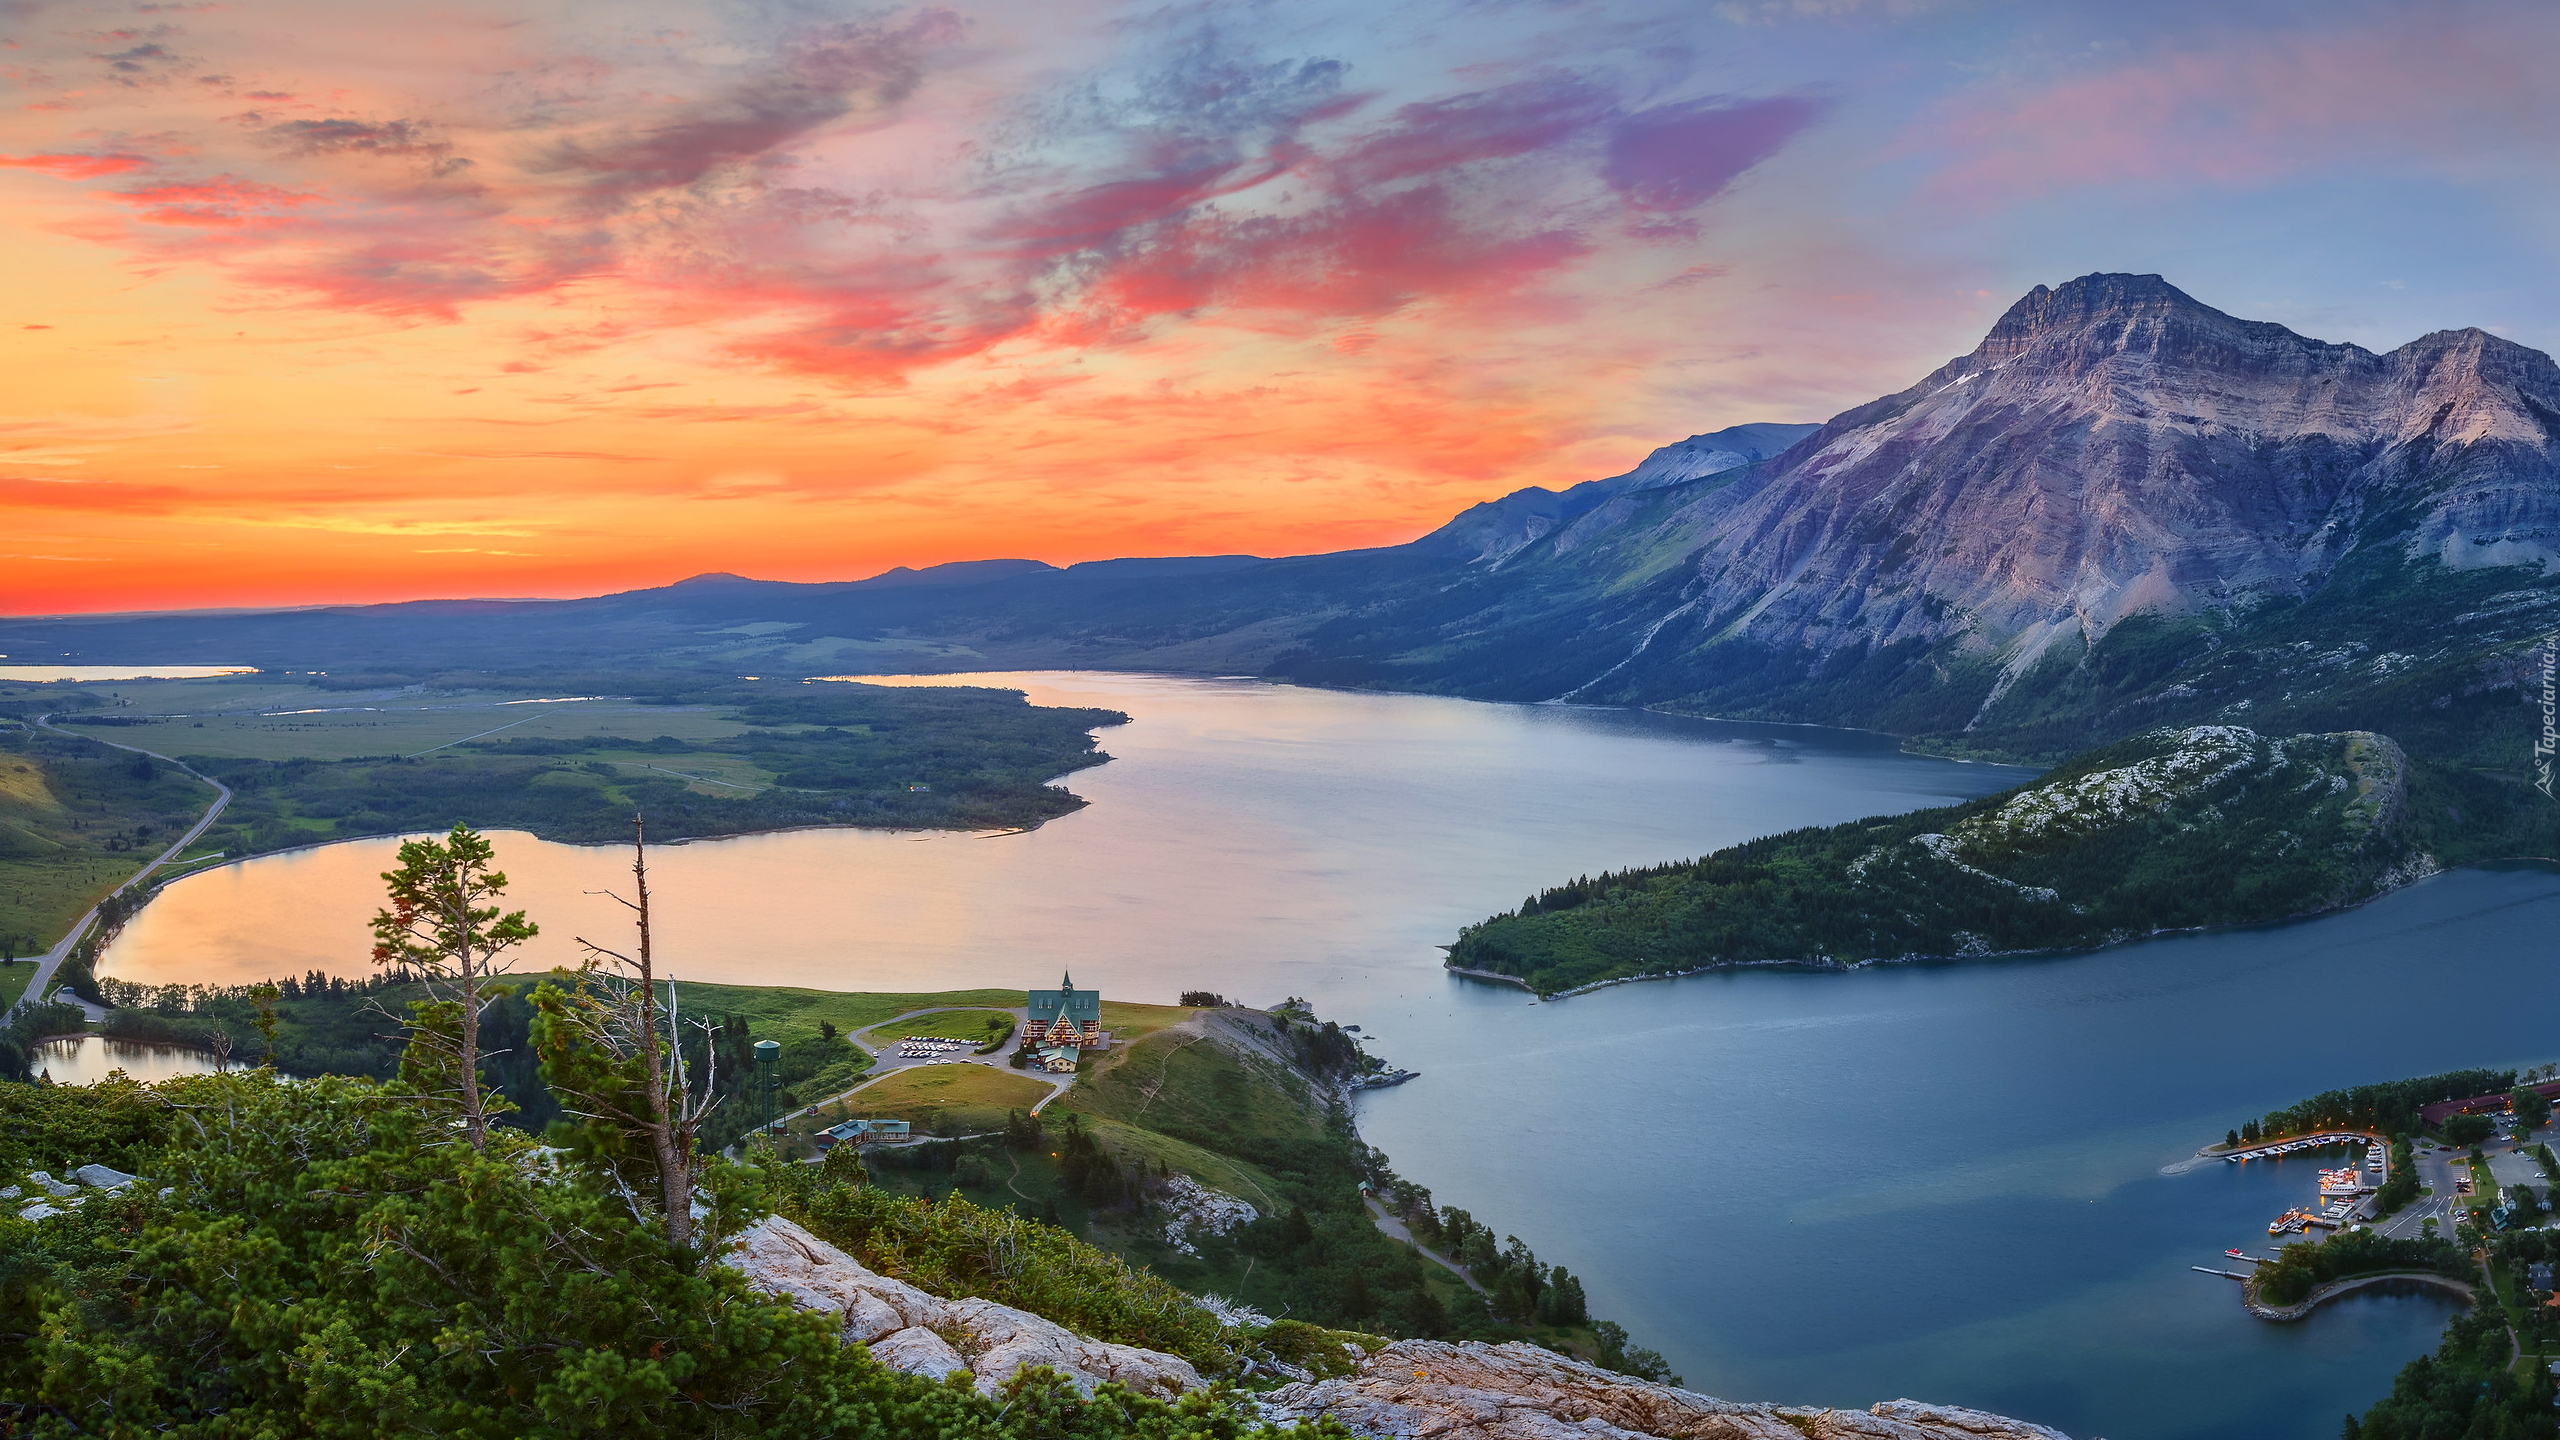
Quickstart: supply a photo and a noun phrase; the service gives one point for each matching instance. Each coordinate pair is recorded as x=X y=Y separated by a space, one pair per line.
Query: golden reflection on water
x=1257 y=839
x=88 y=1059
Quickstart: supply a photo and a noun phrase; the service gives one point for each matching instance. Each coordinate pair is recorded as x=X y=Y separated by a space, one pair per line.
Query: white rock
x=100 y=1177
x=918 y=1351
x=1190 y=1206
x=894 y=1318
x=868 y=1317
x=39 y=1211
x=51 y=1186
x=1955 y=1420
x=1517 y=1391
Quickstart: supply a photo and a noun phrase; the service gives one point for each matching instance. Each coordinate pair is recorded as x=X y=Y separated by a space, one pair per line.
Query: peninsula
x=2174 y=829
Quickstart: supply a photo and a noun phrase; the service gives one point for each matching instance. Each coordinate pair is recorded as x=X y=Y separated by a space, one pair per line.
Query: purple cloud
x=1484 y=125
x=1676 y=157
x=825 y=75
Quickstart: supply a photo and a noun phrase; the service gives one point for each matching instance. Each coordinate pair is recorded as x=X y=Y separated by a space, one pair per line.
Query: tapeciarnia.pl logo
x=2543 y=744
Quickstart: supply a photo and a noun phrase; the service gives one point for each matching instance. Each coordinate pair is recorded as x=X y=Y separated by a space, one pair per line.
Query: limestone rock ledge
x=922 y=1334
x=1436 y=1390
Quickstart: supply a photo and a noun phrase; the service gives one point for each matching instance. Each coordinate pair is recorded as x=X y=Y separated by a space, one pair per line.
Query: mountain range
x=2122 y=509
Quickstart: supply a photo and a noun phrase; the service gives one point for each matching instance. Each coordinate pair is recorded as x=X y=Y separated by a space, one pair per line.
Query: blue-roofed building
x=859 y=1131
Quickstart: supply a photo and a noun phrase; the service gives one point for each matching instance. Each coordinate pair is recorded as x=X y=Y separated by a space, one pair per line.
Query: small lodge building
x=1062 y=1022
x=862 y=1131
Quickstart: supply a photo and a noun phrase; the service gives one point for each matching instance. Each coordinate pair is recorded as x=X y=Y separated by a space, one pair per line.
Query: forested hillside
x=2212 y=825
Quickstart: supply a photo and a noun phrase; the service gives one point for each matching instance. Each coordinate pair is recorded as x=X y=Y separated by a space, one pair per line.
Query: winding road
x=888 y=1062
x=54 y=957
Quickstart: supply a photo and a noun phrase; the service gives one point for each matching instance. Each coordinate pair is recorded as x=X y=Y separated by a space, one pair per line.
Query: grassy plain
x=319 y=725
x=785 y=1013
x=568 y=757
x=950 y=1025
x=967 y=1098
x=1128 y=1020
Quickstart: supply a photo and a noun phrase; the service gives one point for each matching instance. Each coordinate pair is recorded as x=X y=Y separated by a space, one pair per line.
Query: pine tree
x=439 y=923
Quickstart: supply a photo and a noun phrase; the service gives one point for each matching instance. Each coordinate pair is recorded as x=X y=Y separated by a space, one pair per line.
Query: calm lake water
x=1940 y=1182
x=48 y=673
x=88 y=1059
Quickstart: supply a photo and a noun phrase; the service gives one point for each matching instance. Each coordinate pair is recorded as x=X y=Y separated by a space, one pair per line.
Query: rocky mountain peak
x=2092 y=300
x=2113 y=447
x=2087 y=323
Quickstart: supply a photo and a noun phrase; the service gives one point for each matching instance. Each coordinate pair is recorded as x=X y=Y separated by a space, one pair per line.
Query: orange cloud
x=75 y=167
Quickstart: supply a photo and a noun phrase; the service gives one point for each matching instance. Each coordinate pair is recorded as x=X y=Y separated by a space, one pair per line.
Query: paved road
x=2438 y=1169
x=1395 y=1229
x=54 y=957
x=887 y=1061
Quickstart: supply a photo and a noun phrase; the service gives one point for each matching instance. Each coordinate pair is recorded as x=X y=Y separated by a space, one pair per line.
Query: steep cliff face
x=2111 y=448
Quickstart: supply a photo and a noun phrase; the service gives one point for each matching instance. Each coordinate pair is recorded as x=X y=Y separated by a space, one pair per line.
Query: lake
x=45 y=674
x=88 y=1059
x=1942 y=1182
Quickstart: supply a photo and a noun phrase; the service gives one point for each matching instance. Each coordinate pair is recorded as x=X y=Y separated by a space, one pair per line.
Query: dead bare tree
x=644 y=1089
x=440 y=926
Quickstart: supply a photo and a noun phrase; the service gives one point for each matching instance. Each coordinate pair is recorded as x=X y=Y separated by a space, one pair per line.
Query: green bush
x=2465 y=1391
x=320 y=1259
x=2302 y=1267
x=2467 y=1130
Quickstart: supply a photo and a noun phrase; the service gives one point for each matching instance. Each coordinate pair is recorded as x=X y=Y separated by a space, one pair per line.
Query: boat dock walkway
x=2299 y=1142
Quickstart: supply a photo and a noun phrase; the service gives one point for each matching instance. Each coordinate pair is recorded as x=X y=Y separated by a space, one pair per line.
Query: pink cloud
x=1360 y=256
x=743 y=189
x=2429 y=89
x=76 y=167
x=223 y=201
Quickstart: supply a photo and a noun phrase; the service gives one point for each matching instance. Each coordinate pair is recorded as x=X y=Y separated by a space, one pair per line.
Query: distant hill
x=2122 y=509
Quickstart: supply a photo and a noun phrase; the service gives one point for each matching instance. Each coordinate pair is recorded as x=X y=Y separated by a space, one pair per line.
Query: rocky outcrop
x=46 y=1190
x=921 y=1334
x=1436 y=1390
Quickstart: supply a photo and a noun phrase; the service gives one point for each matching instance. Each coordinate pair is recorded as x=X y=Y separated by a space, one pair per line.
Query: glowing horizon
x=318 y=304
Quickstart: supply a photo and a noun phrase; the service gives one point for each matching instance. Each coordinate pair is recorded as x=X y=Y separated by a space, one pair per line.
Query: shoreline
x=2301 y=1309
x=973 y=833
x=1826 y=964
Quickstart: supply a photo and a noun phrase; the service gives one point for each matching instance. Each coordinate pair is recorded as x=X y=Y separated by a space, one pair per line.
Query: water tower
x=766 y=1087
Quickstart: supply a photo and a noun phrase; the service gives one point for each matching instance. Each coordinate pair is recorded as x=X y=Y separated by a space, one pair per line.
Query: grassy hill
x=1245 y=1103
x=77 y=819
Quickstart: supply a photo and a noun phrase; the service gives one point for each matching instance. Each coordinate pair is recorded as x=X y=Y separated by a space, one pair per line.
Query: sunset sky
x=311 y=301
